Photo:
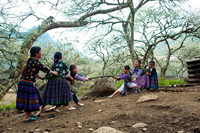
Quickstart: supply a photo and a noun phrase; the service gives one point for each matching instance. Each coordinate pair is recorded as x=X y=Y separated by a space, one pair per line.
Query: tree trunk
x=146 y=54
x=32 y=37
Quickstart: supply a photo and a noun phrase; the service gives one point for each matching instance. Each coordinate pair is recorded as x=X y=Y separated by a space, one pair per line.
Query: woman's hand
x=54 y=73
x=116 y=77
x=86 y=79
x=146 y=73
x=134 y=79
x=41 y=77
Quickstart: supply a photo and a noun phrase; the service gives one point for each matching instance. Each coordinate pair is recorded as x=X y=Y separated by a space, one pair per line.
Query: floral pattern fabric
x=34 y=66
x=61 y=68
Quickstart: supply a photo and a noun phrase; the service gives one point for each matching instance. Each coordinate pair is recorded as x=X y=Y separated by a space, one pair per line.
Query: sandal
x=31 y=119
x=38 y=114
x=71 y=109
x=33 y=116
x=57 y=110
x=109 y=97
x=80 y=104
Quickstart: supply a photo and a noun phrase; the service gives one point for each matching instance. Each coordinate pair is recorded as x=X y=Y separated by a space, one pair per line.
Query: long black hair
x=127 y=67
x=33 y=51
x=139 y=61
x=57 y=57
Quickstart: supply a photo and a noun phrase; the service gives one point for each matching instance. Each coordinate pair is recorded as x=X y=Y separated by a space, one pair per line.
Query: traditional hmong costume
x=142 y=80
x=128 y=83
x=153 y=78
x=57 y=91
x=28 y=97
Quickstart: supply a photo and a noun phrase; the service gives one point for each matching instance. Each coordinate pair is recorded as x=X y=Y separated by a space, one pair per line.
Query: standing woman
x=57 y=91
x=28 y=98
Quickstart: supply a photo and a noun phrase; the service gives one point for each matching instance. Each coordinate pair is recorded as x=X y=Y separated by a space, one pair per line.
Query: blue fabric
x=75 y=99
x=154 y=81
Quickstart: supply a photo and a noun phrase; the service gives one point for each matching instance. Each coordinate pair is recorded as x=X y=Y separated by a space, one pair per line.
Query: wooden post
x=198 y=76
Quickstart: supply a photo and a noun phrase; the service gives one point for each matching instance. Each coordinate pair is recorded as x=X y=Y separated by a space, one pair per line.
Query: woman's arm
x=81 y=78
x=138 y=73
x=45 y=69
x=133 y=71
x=41 y=77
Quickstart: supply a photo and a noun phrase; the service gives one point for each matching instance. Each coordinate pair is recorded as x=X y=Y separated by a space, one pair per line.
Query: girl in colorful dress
x=57 y=91
x=74 y=74
x=141 y=80
x=128 y=84
x=28 y=98
x=153 y=78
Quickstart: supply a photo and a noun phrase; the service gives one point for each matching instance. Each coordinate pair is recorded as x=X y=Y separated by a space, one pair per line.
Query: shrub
x=118 y=84
x=163 y=82
x=81 y=91
x=10 y=106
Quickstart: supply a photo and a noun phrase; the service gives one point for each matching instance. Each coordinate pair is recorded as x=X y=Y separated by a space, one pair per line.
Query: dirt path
x=172 y=112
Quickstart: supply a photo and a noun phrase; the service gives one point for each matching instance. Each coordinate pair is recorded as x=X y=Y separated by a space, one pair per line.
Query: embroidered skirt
x=142 y=82
x=57 y=92
x=28 y=97
x=154 y=81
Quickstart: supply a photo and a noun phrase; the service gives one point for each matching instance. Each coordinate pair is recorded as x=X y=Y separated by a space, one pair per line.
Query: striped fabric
x=28 y=98
x=57 y=92
x=142 y=82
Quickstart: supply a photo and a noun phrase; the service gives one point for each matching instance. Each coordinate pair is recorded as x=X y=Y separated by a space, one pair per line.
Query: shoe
x=57 y=110
x=31 y=119
x=38 y=114
x=71 y=109
x=33 y=116
x=80 y=104
x=136 y=91
x=109 y=97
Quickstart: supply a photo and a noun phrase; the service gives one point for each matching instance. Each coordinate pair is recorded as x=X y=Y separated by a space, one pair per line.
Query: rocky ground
x=169 y=111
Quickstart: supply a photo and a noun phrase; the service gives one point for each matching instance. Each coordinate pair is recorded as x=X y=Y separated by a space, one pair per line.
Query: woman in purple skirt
x=141 y=79
x=57 y=91
x=28 y=98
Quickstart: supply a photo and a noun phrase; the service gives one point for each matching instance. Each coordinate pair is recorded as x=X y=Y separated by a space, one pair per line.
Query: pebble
x=100 y=110
x=127 y=100
x=37 y=130
x=181 y=132
x=9 y=128
x=45 y=132
x=90 y=129
x=79 y=124
x=138 y=125
x=144 y=129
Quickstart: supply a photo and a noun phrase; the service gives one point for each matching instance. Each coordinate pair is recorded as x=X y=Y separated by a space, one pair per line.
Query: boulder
x=107 y=130
x=139 y=125
x=147 y=98
x=100 y=88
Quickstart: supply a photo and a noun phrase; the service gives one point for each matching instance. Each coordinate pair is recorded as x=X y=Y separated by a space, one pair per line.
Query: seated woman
x=128 y=84
x=153 y=78
x=141 y=80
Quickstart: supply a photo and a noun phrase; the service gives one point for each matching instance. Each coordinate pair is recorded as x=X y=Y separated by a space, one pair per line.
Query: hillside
x=171 y=112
